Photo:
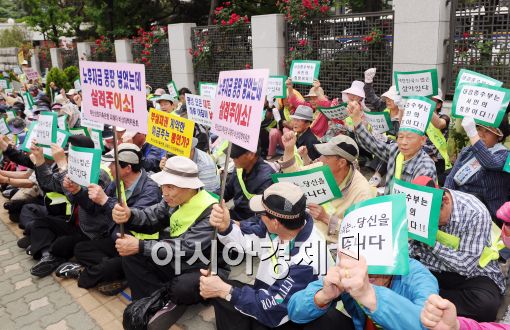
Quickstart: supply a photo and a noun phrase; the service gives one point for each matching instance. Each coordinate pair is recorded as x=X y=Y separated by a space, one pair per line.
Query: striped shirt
x=471 y=222
x=420 y=164
x=207 y=171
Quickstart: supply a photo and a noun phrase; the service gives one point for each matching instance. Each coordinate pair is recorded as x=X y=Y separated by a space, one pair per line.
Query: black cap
x=81 y=141
x=237 y=151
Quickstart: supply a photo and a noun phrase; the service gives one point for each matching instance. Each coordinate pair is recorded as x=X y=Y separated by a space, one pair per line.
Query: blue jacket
x=151 y=156
x=398 y=307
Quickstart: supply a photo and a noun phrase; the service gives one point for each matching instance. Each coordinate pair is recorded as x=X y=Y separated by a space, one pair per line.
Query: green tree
x=10 y=9
x=17 y=36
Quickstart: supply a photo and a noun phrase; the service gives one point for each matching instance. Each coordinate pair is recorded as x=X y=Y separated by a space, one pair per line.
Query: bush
x=59 y=77
x=72 y=74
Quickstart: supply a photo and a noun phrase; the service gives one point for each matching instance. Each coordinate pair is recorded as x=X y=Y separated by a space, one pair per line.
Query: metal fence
x=158 y=72
x=479 y=40
x=69 y=57
x=216 y=49
x=346 y=45
x=102 y=56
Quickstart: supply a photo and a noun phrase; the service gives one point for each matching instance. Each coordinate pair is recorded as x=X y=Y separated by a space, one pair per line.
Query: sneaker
x=69 y=270
x=24 y=242
x=112 y=288
x=46 y=265
x=166 y=316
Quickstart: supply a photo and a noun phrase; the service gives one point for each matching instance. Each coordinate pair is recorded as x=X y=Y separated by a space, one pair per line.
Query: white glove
x=369 y=75
x=469 y=126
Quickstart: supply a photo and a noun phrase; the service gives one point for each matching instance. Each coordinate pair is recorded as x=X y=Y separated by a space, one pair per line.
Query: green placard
x=4 y=129
x=276 y=86
x=97 y=136
x=29 y=101
x=423 y=206
x=380 y=121
x=172 y=90
x=486 y=104
x=378 y=228
x=62 y=122
x=472 y=77
x=62 y=137
x=303 y=72
x=84 y=165
x=506 y=168
x=27 y=142
x=47 y=121
x=207 y=89
x=11 y=114
x=5 y=83
x=79 y=131
x=418 y=111
x=318 y=183
x=417 y=83
x=338 y=112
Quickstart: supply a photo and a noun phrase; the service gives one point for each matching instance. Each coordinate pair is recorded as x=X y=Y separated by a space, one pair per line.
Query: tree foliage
x=16 y=36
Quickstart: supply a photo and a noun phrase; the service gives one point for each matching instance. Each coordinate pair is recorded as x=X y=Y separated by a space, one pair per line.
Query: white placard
x=199 y=109
x=43 y=133
x=417 y=83
x=304 y=72
x=207 y=90
x=81 y=167
x=418 y=112
x=472 y=77
x=276 y=86
x=378 y=121
x=62 y=124
x=4 y=129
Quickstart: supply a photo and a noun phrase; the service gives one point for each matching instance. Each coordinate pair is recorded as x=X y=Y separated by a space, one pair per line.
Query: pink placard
x=31 y=74
x=238 y=105
x=114 y=94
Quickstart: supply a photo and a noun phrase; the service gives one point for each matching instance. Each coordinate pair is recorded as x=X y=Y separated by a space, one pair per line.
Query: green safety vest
x=438 y=140
x=239 y=172
x=188 y=213
x=57 y=198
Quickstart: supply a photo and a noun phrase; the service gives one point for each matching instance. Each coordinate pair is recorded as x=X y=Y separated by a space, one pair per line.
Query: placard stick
x=117 y=179
x=214 y=255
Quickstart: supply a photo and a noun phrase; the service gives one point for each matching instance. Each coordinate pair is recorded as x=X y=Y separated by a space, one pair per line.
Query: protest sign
x=170 y=132
x=85 y=122
x=46 y=131
x=5 y=83
x=238 y=104
x=79 y=131
x=208 y=90
x=31 y=73
x=62 y=122
x=417 y=83
x=114 y=94
x=16 y=86
x=338 y=112
x=380 y=121
x=21 y=57
x=377 y=228
x=304 y=72
x=62 y=137
x=11 y=114
x=472 y=77
x=4 y=129
x=418 y=112
x=97 y=138
x=172 y=90
x=77 y=85
x=423 y=205
x=28 y=100
x=318 y=184
x=486 y=104
x=17 y=70
x=29 y=137
x=506 y=168
x=276 y=86
x=199 y=109
x=83 y=165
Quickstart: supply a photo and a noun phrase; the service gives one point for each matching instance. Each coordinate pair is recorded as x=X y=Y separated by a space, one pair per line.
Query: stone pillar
x=179 y=40
x=56 y=59
x=34 y=63
x=419 y=39
x=123 y=52
x=268 y=43
x=83 y=49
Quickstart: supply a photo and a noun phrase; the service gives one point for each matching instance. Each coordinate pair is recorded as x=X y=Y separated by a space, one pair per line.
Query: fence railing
x=479 y=40
x=158 y=72
x=69 y=57
x=102 y=56
x=346 y=45
x=216 y=49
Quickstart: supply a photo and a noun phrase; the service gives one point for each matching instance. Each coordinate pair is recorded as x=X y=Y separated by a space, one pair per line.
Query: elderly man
x=301 y=121
x=166 y=103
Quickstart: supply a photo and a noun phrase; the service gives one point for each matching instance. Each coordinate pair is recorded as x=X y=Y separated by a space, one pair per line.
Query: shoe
x=46 y=265
x=9 y=192
x=24 y=242
x=69 y=270
x=166 y=317
x=112 y=288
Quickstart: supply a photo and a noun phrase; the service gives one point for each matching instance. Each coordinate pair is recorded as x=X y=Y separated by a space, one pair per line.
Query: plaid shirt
x=471 y=222
x=420 y=164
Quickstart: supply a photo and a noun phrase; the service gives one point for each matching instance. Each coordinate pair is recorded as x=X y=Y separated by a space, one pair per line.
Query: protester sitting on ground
x=441 y=314
x=479 y=167
x=405 y=159
x=252 y=176
x=151 y=155
x=301 y=121
x=166 y=103
x=455 y=261
x=280 y=222
x=207 y=173
x=102 y=263
x=340 y=154
x=372 y=301
x=282 y=126
x=188 y=206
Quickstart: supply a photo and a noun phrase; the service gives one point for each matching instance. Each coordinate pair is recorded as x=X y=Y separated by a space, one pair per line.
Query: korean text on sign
x=207 y=89
x=114 y=94
x=199 y=109
x=380 y=121
x=338 y=113
x=486 y=104
x=238 y=106
x=170 y=132
x=472 y=77
x=83 y=165
x=276 y=86
x=417 y=83
x=418 y=112
x=304 y=72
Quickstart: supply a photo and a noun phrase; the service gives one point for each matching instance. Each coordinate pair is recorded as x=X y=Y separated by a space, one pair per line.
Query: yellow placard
x=170 y=132
x=21 y=58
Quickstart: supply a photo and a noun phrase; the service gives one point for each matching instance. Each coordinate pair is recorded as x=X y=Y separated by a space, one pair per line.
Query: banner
x=239 y=103
x=83 y=165
x=377 y=229
x=423 y=205
x=418 y=113
x=84 y=122
x=380 y=121
x=276 y=86
x=199 y=109
x=318 y=184
x=45 y=132
x=170 y=132
x=4 y=129
x=486 y=104
x=304 y=72
x=472 y=77
x=114 y=94
x=207 y=89
x=338 y=112
x=417 y=83
x=172 y=90
x=97 y=138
